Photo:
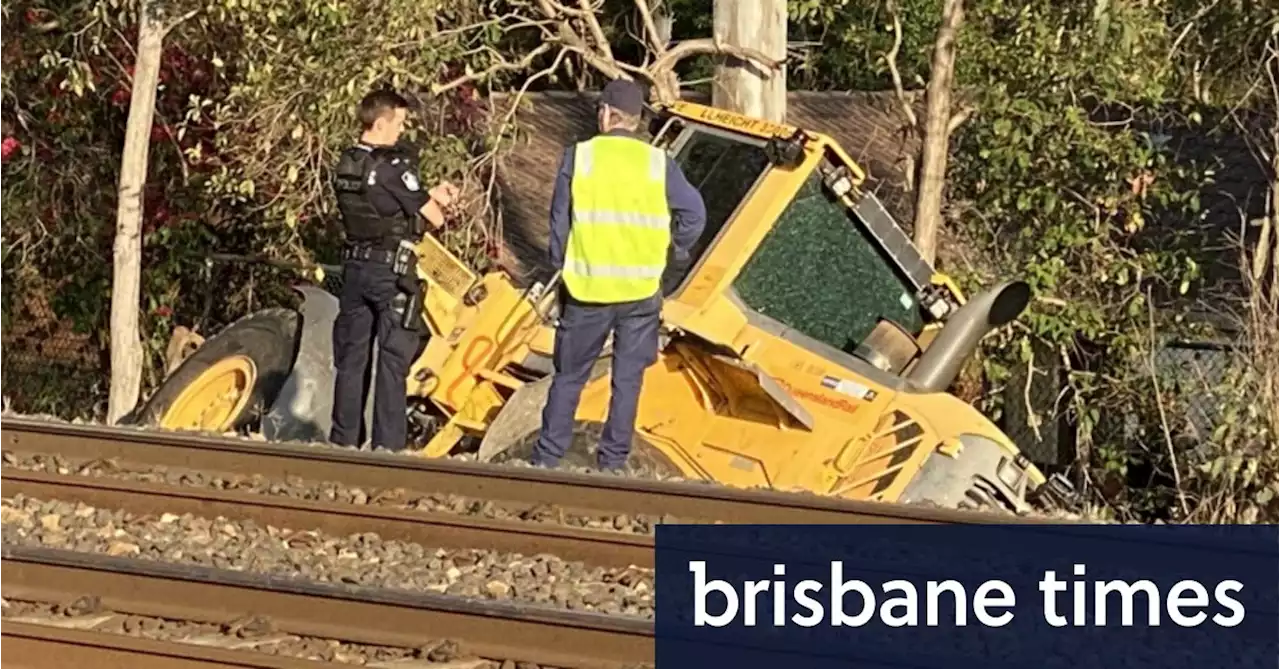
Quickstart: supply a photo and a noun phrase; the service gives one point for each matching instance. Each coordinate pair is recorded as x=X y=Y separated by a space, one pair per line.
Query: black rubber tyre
x=980 y=497
x=645 y=461
x=269 y=338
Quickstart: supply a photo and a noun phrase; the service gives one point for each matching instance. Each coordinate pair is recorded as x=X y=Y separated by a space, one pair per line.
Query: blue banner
x=956 y=596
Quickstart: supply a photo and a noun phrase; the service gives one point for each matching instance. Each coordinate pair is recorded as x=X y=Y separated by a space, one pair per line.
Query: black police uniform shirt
x=400 y=186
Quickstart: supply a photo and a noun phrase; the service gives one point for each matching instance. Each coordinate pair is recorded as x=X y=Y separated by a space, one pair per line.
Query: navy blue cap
x=623 y=95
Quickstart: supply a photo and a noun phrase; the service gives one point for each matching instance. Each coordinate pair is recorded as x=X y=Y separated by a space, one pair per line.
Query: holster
x=405 y=267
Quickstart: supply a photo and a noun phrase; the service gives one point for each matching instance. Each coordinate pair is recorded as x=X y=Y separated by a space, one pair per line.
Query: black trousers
x=366 y=311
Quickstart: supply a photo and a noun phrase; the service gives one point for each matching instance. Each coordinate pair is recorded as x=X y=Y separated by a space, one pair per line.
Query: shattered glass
x=820 y=273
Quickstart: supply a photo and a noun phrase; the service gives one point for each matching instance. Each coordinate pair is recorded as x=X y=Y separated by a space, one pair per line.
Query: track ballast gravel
x=362 y=559
x=331 y=491
x=252 y=633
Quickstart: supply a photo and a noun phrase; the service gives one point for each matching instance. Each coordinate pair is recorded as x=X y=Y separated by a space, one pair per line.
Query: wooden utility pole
x=742 y=86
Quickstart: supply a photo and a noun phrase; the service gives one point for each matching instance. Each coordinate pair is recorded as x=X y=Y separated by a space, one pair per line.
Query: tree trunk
x=742 y=86
x=938 y=126
x=126 y=281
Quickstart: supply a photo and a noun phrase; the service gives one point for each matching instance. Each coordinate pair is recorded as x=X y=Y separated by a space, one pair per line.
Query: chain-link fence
x=1192 y=376
x=48 y=367
x=1035 y=412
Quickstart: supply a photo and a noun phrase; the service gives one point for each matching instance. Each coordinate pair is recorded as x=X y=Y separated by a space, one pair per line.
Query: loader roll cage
x=832 y=266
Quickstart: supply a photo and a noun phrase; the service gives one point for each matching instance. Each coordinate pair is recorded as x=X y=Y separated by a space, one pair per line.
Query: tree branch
x=958 y=119
x=593 y=23
x=892 y=60
x=575 y=28
x=709 y=46
x=502 y=66
x=651 y=29
x=170 y=25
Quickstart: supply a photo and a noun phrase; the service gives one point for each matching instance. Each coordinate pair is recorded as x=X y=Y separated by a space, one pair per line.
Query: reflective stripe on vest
x=617 y=246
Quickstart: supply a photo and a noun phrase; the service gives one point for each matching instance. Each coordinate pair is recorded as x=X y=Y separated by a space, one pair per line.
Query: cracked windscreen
x=723 y=169
x=818 y=272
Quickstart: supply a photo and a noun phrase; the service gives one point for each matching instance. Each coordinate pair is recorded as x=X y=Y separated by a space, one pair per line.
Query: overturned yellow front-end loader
x=809 y=346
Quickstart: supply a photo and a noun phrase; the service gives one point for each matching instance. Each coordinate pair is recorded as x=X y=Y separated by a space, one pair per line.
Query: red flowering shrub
x=243 y=135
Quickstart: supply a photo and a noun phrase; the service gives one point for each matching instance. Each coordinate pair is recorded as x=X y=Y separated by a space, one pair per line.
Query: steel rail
x=573 y=492
x=436 y=530
x=356 y=614
x=36 y=646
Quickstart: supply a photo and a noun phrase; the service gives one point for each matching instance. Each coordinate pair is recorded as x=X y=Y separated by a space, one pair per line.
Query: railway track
x=491 y=630
x=507 y=629
x=568 y=491
x=36 y=646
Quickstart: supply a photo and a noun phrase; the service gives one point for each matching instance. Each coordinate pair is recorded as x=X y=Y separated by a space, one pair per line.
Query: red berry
x=8 y=147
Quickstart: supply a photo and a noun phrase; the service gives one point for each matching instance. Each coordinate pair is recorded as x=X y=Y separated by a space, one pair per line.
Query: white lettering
x=803 y=599
x=1049 y=585
x=753 y=590
x=935 y=589
x=700 y=589
x=1177 y=601
x=1126 y=591
x=1219 y=594
x=907 y=601
x=981 y=601
x=838 y=588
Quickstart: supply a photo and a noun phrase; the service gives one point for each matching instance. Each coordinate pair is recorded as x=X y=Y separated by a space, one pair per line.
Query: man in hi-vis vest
x=620 y=210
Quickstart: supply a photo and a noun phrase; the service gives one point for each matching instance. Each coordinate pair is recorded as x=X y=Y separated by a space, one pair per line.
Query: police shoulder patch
x=410 y=181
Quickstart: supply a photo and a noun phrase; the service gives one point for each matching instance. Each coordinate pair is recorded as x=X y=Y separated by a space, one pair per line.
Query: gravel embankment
x=252 y=633
x=330 y=491
x=363 y=559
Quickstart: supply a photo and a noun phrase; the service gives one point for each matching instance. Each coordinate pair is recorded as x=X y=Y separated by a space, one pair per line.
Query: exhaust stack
x=940 y=364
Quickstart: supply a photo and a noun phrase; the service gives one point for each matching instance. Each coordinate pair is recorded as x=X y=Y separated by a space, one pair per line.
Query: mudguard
x=303 y=409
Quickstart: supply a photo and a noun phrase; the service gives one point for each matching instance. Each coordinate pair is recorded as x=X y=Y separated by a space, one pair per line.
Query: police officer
x=611 y=237
x=380 y=199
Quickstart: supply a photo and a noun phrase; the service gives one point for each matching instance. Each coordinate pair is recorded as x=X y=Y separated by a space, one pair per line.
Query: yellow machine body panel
x=807 y=347
x=732 y=398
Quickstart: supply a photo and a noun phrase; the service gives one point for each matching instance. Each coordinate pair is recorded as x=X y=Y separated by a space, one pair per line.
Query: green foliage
x=1062 y=177
x=842 y=43
x=296 y=71
x=256 y=98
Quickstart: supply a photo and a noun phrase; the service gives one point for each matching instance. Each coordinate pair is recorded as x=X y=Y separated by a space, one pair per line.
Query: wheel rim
x=214 y=399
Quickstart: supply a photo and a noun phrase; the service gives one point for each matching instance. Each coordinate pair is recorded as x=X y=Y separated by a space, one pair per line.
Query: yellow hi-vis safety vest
x=617 y=246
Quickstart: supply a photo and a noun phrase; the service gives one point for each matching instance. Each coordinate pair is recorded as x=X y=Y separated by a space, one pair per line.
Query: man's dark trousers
x=365 y=309
x=580 y=338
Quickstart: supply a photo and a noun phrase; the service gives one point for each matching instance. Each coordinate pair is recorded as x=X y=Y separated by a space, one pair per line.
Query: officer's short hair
x=622 y=119
x=378 y=104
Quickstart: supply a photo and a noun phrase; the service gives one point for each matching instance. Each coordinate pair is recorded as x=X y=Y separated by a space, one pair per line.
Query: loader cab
x=794 y=243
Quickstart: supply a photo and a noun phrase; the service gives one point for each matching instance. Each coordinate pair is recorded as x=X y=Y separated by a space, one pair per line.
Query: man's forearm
x=688 y=211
